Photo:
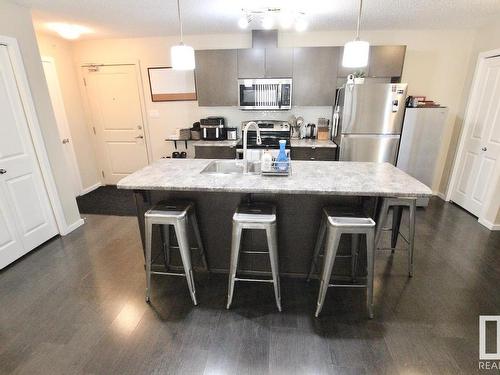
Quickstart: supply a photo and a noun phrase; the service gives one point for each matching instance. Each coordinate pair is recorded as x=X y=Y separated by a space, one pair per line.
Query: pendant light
x=181 y=56
x=356 y=52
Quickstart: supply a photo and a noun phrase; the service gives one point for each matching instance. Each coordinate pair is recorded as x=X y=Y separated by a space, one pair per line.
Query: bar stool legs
x=182 y=238
x=411 y=203
x=179 y=215
x=332 y=244
x=272 y=240
x=335 y=223
x=149 y=235
x=259 y=216
x=235 y=253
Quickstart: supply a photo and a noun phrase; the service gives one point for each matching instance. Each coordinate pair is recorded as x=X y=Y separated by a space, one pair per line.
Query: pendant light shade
x=357 y=51
x=356 y=54
x=181 y=56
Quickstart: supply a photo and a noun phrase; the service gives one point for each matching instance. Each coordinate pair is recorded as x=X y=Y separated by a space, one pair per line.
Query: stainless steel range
x=271 y=132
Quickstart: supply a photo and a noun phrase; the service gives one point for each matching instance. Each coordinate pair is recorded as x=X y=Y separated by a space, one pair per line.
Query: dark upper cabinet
x=216 y=77
x=386 y=61
x=251 y=63
x=314 y=75
x=383 y=61
x=279 y=62
x=265 y=63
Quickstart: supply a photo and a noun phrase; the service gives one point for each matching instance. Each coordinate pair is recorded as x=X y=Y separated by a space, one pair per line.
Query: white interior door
x=62 y=123
x=26 y=217
x=116 y=114
x=478 y=166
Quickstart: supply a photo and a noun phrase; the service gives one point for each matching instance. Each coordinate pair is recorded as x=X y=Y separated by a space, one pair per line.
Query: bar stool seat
x=336 y=222
x=398 y=203
x=178 y=214
x=254 y=216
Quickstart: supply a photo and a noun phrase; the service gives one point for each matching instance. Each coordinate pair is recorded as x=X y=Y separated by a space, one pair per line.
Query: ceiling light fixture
x=181 y=55
x=243 y=22
x=356 y=52
x=266 y=17
x=67 y=30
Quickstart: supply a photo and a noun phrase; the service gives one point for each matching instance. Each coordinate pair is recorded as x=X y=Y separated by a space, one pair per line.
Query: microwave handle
x=279 y=96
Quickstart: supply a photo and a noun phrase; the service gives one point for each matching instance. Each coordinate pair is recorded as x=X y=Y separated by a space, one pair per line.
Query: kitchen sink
x=230 y=167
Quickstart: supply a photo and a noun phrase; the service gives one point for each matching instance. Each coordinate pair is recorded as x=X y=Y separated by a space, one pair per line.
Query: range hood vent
x=264 y=38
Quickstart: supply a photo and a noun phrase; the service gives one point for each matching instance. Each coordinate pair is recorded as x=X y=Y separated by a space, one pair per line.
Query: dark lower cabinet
x=214 y=152
x=313 y=153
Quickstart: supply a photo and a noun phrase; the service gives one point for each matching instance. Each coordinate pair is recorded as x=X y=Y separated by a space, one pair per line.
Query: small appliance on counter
x=213 y=128
x=196 y=131
x=180 y=134
x=232 y=134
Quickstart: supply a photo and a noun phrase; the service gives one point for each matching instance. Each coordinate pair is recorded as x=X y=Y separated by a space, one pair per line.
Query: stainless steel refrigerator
x=367 y=121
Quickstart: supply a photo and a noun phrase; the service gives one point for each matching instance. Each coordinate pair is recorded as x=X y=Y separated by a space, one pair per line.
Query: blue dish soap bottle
x=282 y=162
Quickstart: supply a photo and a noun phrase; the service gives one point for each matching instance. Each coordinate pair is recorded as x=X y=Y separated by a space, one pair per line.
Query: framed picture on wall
x=168 y=85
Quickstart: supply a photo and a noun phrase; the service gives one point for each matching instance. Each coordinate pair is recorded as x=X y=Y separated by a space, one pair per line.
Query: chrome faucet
x=245 y=142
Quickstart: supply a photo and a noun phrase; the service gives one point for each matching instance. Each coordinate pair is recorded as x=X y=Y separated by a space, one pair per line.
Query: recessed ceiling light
x=243 y=22
x=267 y=22
x=301 y=25
x=67 y=30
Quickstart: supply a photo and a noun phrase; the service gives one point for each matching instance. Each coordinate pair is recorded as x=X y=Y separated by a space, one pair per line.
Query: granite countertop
x=313 y=143
x=320 y=177
x=225 y=143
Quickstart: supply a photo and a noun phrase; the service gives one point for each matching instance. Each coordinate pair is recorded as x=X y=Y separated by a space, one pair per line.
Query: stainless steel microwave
x=265 y=93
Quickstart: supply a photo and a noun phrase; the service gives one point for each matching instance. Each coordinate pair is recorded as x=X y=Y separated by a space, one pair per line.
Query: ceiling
x=133 y=18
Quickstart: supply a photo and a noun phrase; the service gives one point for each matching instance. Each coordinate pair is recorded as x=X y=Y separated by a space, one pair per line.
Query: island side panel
x=298 y=222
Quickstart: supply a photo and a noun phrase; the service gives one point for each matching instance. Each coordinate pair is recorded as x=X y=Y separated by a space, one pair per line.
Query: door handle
x=65 y=140
x=139 y=137
x=2 y=171
x=484 y=149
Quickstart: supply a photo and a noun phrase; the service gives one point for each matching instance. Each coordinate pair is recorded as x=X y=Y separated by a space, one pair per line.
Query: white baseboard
x=70 y=228
x=489 y=224
x=441 y=195
x=91 y=188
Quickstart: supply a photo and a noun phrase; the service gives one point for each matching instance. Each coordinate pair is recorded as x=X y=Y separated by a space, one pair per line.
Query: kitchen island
x=299 y=199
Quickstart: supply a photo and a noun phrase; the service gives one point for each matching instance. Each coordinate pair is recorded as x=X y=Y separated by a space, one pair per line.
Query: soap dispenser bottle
x=282 y=159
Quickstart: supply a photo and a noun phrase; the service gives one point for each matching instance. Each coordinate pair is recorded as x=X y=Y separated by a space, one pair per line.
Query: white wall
x=15 y=22
x=436 y=65
x=62 y=53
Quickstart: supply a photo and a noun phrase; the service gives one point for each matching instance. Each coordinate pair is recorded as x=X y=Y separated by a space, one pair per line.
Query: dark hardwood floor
x=76 y=305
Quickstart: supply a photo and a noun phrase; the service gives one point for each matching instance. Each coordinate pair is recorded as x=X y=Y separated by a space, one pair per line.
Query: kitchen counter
x=321 y=178
x=313 y=143
x=225 y=143
x=299 y=199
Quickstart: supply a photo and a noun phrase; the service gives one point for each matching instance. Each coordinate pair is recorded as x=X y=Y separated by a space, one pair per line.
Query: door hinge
x=93 y=128
x=85 y=82
x=102 y=172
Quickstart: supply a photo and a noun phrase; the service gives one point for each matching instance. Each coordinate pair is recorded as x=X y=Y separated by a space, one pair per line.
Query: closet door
x=26 y=217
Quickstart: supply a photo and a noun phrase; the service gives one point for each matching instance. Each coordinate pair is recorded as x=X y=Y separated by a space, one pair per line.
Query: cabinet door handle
x=2 y=171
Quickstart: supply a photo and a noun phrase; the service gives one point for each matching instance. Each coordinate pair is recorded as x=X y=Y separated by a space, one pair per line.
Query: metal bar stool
x=254 y=216
x=336 y=222
x=178 y=215
x=398 y=204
